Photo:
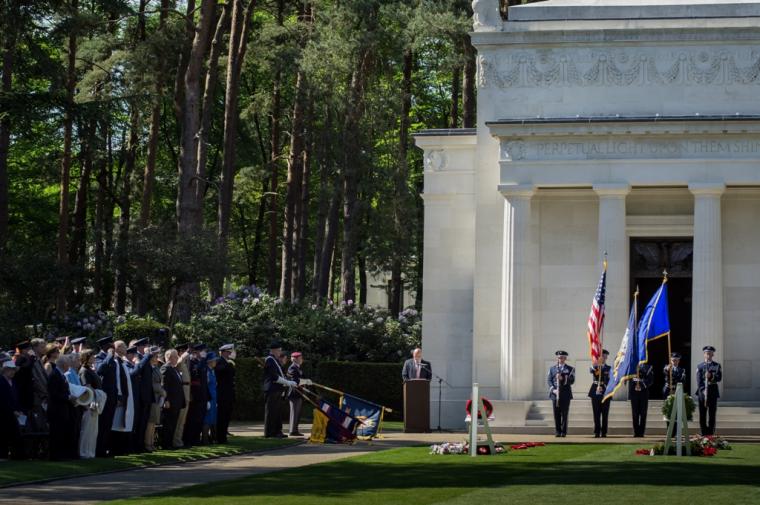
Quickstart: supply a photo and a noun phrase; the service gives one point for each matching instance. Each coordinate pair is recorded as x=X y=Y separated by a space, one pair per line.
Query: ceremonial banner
x=370 y=414
x=332 y=425
x=655 y=322
x=626 y=359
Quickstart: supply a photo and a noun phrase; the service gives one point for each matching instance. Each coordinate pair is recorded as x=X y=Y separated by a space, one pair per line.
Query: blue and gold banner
x=370 y=415
x=627 y=358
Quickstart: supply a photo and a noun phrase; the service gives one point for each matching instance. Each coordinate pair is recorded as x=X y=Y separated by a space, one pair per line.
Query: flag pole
x=670 y=350
x=601 y=337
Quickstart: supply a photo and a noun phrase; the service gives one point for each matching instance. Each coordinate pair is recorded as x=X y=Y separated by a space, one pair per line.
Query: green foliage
x=137 y=328
x=249 y=399
x=251 y=320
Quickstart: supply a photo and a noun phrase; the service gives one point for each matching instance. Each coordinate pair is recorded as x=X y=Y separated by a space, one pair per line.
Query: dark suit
x=175 y=396
x=225 y=397
x=10 y=436
x=679 y=375
x=24 y=381
x=410 y=369
x=599 y=408
x=142 y=392
x=640 y=399
x=107 y=370
x=198 y=399
x=294 y=398
x=708 y=389
x=273 y=396
x=563 y=384
x=64 y=440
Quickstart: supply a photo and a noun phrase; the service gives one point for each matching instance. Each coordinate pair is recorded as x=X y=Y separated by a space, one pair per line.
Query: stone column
x=614 y=240
x=707 y=288
x=520 y=262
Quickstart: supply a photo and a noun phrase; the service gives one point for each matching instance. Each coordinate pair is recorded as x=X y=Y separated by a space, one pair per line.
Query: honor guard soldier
x=673 y=375
x=638 y=393
x=601 y=410
x=709 y=374
x=560 y=379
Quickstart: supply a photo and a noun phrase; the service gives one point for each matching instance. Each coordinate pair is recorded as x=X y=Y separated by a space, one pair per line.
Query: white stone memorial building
x=625 y=126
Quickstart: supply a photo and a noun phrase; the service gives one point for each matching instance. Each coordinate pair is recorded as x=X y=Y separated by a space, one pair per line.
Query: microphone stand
x=441 y=380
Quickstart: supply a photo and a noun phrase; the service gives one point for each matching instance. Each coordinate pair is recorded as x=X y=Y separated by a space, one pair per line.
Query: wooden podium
x=417 y=406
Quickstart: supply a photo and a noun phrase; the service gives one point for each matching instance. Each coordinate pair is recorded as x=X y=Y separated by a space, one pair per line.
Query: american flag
x=596 y=318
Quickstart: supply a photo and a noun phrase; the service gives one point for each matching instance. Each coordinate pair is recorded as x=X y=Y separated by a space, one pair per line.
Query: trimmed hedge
x=135 y=329
x=375 y=382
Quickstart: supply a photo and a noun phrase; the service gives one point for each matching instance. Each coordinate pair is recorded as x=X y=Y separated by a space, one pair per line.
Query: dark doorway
x=649 y=258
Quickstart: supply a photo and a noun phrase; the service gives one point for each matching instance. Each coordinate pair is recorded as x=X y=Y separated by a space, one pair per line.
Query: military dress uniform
x=709 y=374
x=678 y=375
x=638 y=393
x=600 y=409
x=561 y=379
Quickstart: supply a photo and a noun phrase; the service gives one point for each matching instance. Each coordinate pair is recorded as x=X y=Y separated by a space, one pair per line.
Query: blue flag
x=626 y=359
x=654 y=323
x=370 y=414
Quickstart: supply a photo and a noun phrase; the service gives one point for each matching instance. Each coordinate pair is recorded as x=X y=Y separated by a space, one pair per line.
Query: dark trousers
x=272 y=417
x=295 y=413
x=560 y=414
x=105 y=420
x=601 y=412
x=168 y=426
x=142 y=415
x=64 y=440
x=639 y=405
x=223 y=416
x=707 y=415
x=194 y=423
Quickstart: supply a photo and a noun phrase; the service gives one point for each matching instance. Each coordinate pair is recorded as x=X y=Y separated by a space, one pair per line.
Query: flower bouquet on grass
x=699 y=445
x=464 y=448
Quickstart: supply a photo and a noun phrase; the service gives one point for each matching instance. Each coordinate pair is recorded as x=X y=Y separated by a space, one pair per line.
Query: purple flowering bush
x=251 y=319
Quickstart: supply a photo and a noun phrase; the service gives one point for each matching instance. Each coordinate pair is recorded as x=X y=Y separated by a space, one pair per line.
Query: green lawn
x=564 y=474
x=13 y=472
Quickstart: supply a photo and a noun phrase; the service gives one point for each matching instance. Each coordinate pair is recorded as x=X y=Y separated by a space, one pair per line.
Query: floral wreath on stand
x=486 y=403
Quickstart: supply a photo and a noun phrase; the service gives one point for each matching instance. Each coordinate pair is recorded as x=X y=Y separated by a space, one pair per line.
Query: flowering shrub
x=83 y=321
x=251 y=319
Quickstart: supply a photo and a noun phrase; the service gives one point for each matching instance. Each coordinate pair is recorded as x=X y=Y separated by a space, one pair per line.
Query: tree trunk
x=184 y=58
x=456 y=80
x=122 y=249
x=302 y=216
x=324 y=203
x=207 y=111
x=329 y=246
x=236 y=56
x=352 y=174
x=362 y=262
x=77 y=248
x=274 y=152
x=189 y=214
x=295 y=172
x=149 y=176
x=9 y=52
x=68 y=127
x=468 y=85
x=400 y=189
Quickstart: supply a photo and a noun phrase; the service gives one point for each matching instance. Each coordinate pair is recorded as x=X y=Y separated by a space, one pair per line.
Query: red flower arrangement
x=486 y=403
x=643 y=452
x=709 y=451
x=526 y=445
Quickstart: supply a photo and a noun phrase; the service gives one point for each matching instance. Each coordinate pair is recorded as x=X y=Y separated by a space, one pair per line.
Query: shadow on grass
x=351 y=476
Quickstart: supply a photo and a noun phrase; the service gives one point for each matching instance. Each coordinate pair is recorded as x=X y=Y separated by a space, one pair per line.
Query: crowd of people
x=65 y=400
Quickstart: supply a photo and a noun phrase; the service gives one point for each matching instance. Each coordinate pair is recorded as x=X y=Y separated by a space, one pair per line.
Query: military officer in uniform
x=560 y=380
x=709 y=374
x=601 y=410
x=673 y=375
x=274 y=385
x=638 y=393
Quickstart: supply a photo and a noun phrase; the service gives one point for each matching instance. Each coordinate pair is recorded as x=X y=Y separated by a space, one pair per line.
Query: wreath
x=486 y=403
x=667 y=406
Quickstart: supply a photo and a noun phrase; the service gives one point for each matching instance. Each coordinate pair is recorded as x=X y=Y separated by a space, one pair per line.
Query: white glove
x=285 y=382
x=305 y=382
